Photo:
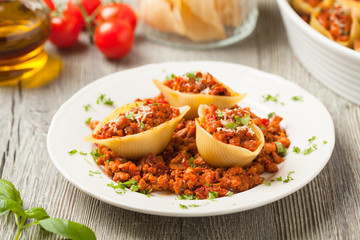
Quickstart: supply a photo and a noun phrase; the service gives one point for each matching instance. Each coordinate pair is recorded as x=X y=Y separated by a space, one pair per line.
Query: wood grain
x=327 y=208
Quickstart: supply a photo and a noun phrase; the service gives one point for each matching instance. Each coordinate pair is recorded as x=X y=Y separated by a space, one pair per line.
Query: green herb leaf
x=270 y=115
x=191 y=162
x=229 y=193
x=298 y=98
x=95 y=154
x=67 y=229
x=183 y=206
x=219 y=114
x=87 y=121
x=94 y=172
x=245 y=120
x=296 y=150
x=82 y=153
x=212 y=195
x=270 y=98
x=279 y=179
x=72 y=152
x=109 y=102
x=8 y=191
x=7 y=204
x=187 y=197
x=142 y=126
x=280 y=149
x=130 y=116
x=193 y=205
x=86 y=107
x=231 y=125
x=100 y=98
x=289 y=178
x=312 y=139
x=324 y=142
x=191 y=75
x=267 y=183
x=36 y=212
x=171 y=76
x=309 y=150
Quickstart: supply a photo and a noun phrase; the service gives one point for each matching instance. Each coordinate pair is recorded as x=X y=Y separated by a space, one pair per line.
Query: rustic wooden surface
x=327 y=208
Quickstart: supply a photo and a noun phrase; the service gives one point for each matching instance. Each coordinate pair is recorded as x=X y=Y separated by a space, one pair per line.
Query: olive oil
x=24 y=28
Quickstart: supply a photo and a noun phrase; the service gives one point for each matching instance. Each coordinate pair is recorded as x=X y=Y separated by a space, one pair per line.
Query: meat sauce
x=200 y=83
x=181 y=170
x=230 y=126
x=138 y=119
x=337 y=21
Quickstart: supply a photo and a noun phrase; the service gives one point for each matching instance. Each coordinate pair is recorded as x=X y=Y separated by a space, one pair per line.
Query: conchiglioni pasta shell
x=354 y=32
x=357 y=48
x=138 y=145
x=219 y=154
x=354 y=5
x=303 y=7
x=193 y=100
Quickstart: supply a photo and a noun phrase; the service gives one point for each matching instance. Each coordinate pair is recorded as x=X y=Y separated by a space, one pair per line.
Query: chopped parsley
x=324 y=142
x=87 y=121
x=279 y=179
x=82 y=153
x=142 y=126
x=231 y=125
x=100 y=98
x=86 y=107
x=270 y=115
x=282 y=103
x=309 y=150
x=191 y=162
x=212 y=195
x=109 y=102
x=186 y=197
x=130 y=116
x=120 y=187
x=147 y=193
x=220 y=114
x=191 y=75
x=107 y=161
x=94 y=172
x=171 y=76
x=289 y=178
x=298 y=98
x=270 y=98
x=229 y=193
x=183 y=206
x=280 y=149
x=312 y=139
x=95 y=154
x=245 y=120
x=296 y=150
x=267 y=183
x=72 y=152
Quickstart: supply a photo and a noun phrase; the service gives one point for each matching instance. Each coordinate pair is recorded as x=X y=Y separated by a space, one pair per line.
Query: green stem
x=18 y=234
x=30 y=224
x=87 y=20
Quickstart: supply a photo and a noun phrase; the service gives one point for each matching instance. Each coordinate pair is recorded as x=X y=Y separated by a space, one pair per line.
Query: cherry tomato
x=265 y=121
x=73 y=9
x=114 y=38
x=64 y=31
x=114 y=11
x=50 y=4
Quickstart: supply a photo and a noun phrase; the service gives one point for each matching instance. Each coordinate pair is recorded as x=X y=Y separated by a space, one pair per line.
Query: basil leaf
x=8 y=191
x=67 y=229
x=37 y=212
x=231 y=125
x=11 y=205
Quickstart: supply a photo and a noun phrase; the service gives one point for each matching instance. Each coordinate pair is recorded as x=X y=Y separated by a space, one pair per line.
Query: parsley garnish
x=231 y=125
x=191 y=162
x=72 y=152
x=86 y=107
x=312 y=139
x=191 y=75
x=212 y=195
x=87 y=121
x=279 y=179
x=220 y=114
x=245 y=120
x=309 y=150
x=120 y=187
x=130 y=116
x=96 y=172
x=183 y=206
x=280 y=149
x=100 y=98
x=270 y=115
x=296 y=150
x=171 y=76
x=324 y=142
x=268 y=98
x=229 y=193
x=187 y=197
x=298 y=98
x=82 y=153
x=267 y=183
x=95 y=154
x=109 y=102
x=142 y=126
x=145 y=192
x=288 y=178
x=107 y=161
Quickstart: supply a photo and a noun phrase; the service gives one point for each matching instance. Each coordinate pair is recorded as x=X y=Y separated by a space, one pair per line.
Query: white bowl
x=336 y=66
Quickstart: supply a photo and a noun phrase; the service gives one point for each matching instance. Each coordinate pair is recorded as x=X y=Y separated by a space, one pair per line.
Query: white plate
x=302 y=120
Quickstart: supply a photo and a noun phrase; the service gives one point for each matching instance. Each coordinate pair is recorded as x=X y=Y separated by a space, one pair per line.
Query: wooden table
x=328 y=207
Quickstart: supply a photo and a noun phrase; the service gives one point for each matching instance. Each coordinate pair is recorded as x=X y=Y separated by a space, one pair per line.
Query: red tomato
x=50 y=4
x=114 y=38
x=265 y=121
x=73 y=9
x=113 y=11
x=64 y=31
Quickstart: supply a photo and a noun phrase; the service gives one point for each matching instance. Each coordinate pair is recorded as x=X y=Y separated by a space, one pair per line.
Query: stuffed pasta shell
x=307 y=7
x=336 y=22
x=354 y=5
x=194 y=89
x=227 y=137
x=137 y=129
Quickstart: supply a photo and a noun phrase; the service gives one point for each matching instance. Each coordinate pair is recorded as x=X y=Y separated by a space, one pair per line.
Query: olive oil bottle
x=24 y=28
